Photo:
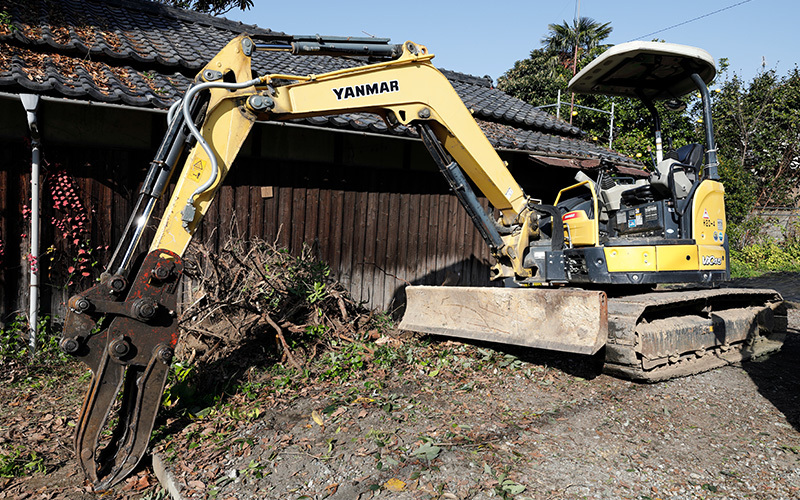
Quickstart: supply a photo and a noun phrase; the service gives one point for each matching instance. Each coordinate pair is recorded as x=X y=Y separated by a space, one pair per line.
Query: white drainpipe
x=31 y=102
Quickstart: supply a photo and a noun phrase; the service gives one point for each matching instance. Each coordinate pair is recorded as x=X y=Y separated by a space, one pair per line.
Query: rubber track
x=662 y=335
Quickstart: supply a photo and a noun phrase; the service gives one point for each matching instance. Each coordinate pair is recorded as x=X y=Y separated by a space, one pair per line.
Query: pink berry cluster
x=74 y=222
x=33 y=261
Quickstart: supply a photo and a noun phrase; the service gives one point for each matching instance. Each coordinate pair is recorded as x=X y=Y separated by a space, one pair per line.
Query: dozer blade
x=556 y=319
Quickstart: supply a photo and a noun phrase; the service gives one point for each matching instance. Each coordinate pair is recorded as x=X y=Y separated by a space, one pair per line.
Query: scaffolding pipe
x=31 y=103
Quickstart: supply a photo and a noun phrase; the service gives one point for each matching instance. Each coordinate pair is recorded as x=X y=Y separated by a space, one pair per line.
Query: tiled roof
x=500 y=135
x=142 y=53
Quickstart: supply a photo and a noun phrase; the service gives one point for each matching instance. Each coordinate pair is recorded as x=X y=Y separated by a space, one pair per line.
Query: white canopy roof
x=652 y=70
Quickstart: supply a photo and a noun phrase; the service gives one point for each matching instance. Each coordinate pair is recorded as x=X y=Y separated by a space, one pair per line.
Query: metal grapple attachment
x=126 y=335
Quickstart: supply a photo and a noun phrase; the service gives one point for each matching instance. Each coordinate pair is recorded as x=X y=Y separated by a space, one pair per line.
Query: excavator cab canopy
x=650 y=71
x=654 y=71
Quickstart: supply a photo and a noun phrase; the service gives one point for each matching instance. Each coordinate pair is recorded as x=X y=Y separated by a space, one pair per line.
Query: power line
x=691 y=20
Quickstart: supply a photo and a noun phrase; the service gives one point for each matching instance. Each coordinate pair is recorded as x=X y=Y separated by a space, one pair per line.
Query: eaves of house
x=144 y=54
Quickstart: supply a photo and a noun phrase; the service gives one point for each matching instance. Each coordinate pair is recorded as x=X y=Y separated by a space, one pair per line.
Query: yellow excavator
x=579 y=272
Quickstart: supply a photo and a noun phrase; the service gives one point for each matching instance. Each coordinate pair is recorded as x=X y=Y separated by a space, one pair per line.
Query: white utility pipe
x=31 y=102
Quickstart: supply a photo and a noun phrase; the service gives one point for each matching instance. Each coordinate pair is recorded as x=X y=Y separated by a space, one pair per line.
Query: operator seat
x=683 y=163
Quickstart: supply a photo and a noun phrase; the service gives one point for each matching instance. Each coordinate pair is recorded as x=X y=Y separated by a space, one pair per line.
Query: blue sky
x=487 y=37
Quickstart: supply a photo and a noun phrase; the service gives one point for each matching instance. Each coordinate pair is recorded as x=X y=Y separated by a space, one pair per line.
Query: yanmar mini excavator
x=579 y=273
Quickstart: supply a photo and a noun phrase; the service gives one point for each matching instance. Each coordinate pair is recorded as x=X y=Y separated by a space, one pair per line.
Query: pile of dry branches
x=251 y=288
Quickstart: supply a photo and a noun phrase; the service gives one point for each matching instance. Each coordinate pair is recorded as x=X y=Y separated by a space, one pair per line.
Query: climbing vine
x=71 y=225
x=70 y=256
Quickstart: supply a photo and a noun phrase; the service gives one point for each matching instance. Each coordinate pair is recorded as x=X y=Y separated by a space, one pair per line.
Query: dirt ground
x=454 y=421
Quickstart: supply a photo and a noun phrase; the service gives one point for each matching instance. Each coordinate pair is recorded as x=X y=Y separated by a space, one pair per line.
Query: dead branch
x=287 y=353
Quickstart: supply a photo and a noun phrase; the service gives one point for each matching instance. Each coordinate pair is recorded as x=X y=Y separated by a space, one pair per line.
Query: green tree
x=634 y=133
x=757 y=127
x=535 y=80
x=213 y=7
x=758 y=132
x=573 y=41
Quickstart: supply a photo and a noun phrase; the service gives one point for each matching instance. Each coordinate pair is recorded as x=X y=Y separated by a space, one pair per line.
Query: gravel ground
x=447 y=420
x=477 y=423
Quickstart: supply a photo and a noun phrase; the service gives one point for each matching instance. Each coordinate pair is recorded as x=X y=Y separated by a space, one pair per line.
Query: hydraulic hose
x=189 y=211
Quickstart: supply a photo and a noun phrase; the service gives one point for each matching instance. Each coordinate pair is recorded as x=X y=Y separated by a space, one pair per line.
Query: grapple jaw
x=126 y=335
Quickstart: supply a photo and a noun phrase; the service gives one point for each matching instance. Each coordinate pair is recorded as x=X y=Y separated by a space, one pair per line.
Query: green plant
x=19 y=461
x=764 y=257
x=15 y=341
x=179 y=387
x=254 y=469
x=427 y=450
x=317 y=293
x=316 y=330
x=342 y=362
x=308 y=277
x=5 y=21
x=158 y=493
x=505 y=487
x=382 y=322
x=386 y=355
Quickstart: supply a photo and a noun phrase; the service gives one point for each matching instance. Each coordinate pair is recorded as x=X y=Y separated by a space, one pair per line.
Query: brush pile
x=252 y=292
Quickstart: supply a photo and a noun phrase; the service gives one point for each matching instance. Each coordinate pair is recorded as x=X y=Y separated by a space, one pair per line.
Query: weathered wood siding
x=375 y=242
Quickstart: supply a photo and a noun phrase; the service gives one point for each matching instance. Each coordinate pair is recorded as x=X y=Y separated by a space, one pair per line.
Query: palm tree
x=567 y=40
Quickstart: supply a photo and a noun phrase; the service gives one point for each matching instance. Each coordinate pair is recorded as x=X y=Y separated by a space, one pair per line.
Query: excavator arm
x=125 y=327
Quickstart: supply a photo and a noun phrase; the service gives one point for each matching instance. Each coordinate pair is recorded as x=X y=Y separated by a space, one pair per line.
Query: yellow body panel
x=225 y=129
x=654 y=258
x=708 y=214
x=580 y=230
x=712 y=257
x=677 y=258
x=631 y=259
x=665 y=258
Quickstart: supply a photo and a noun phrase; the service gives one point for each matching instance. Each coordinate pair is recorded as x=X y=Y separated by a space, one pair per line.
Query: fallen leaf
x=196 y=485
x=427 y=451
x=143 y=483
x=394 y=484
x=317 y=418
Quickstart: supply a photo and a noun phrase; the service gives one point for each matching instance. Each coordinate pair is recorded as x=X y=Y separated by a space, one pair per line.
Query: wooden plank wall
x=374 y=242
